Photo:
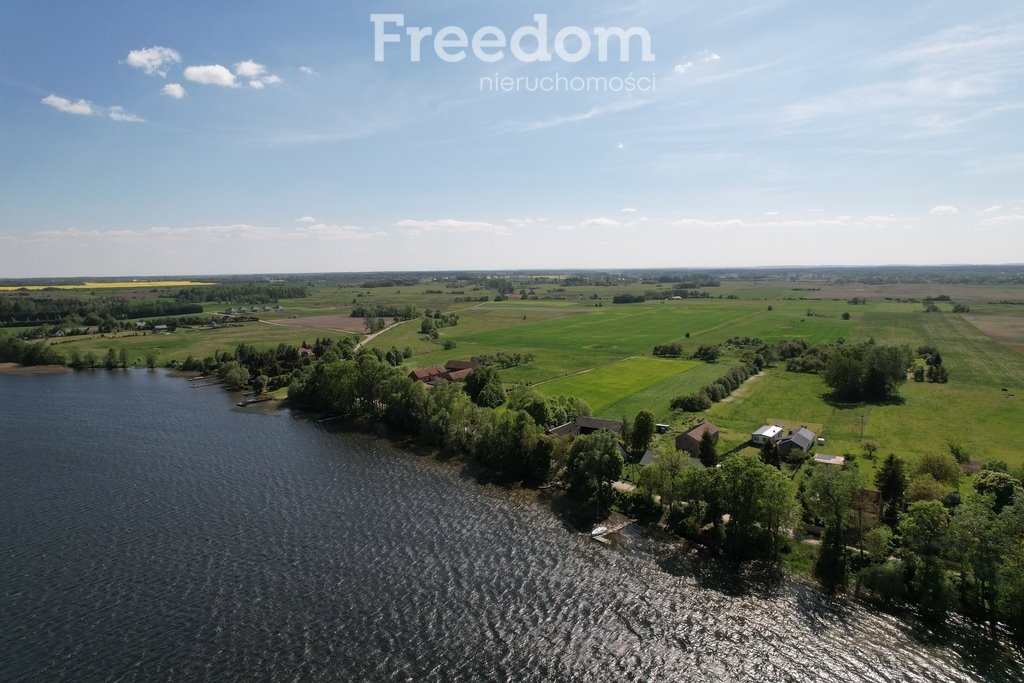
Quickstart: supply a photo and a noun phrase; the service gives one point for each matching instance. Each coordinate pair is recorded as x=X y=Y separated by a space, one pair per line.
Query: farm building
x=765 y=434
x=802 y=439
x=690 y=441
x=427 y=374
x=586 y=425
x=457 y=375
x=160 y=328
x=306 y=353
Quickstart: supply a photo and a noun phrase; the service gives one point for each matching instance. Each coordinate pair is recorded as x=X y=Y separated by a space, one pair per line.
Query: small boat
x=599 y=531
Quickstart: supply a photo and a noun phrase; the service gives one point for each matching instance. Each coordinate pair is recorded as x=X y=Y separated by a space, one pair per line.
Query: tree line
x=87 y=311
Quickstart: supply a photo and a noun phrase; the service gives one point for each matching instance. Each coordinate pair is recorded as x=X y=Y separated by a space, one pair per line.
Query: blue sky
x=180 y=138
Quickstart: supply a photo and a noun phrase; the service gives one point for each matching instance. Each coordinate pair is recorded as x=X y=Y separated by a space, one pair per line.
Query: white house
x=765 y=434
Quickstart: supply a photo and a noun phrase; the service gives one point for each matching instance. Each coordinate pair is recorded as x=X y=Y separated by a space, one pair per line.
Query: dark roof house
x=458 y=375
x=586 y=425
x=690 y=441
x=802 y=439
x=426 y=374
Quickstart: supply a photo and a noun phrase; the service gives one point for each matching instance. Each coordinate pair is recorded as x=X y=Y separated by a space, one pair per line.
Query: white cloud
x=212 y=74
x=629 y=209
x=601 y=223
x=306 y=219
x=153 y=60
x=706 y=56
x=620 y=145
x=526 y=222
x=601 y=110
x=771 y=213
x=175 y=90
x=82 y=107
x=330 y=232
x=260 y=83
x=308 y=71
x=945 y=211
x=704 y=223
x=683 y=68
x=119 y=114
x=451 y=225
x=875 y=220
x=249 y=69
x=993 y=209
x=1008 y=219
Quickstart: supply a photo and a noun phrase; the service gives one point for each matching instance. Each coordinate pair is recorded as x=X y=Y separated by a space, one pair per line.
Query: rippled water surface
x=152 y=531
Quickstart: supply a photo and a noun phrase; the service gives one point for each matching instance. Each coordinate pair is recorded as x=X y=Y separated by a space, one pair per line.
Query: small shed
x=690 y=441
x=765 y=434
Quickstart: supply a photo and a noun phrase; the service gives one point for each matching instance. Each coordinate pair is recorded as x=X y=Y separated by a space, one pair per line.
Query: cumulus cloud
x=707 y=56
x=175 y=90
x=309 y=71
x=81 y=107
x=629 y=209
x=153 y=60
x=211 y=74
x=306 y=219
x=945 y=211
x=256 y=85
x=683 y=68
x=450 y=225
x=119 y=114
x=271 y=80
x=249 y=69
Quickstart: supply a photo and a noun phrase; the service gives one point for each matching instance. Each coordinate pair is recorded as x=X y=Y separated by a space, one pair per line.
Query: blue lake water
x=151 y=531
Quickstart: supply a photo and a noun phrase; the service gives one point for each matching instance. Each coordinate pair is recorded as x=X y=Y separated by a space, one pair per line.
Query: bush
x=886 y=580
x=694 y=403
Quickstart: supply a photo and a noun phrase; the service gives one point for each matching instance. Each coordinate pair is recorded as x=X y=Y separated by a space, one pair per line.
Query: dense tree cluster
x=243 y=293
x=867 y=371
x=504 y=360
x=86 y=311
x=510 y=441
x=673 y=350
x=14 y=350
x=625 y=298
x=407 y=312
x=758 y=500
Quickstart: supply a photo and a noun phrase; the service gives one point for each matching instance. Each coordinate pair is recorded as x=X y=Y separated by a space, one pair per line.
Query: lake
x=153 y=531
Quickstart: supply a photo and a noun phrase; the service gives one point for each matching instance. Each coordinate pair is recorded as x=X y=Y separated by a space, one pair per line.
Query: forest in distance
x=909 y=375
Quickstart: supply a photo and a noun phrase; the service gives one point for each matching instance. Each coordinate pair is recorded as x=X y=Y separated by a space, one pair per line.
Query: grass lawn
x=608 y=388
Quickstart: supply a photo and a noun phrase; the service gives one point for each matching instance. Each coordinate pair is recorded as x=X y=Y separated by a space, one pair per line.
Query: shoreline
x=15 y=369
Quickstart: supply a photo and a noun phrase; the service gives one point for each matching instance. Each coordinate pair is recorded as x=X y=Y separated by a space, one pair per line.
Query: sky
x=267 y=137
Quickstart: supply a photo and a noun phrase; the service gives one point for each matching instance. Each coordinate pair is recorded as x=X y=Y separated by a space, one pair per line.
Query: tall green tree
x=595 y=462
x=760 y=502
x=828 y=494
x=891 y=480
x=643 y=431
x=925 y=530
x=708 y=450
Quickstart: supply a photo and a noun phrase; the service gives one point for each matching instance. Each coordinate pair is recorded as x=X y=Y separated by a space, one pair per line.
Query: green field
x=584 y=345
x=612 y=388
